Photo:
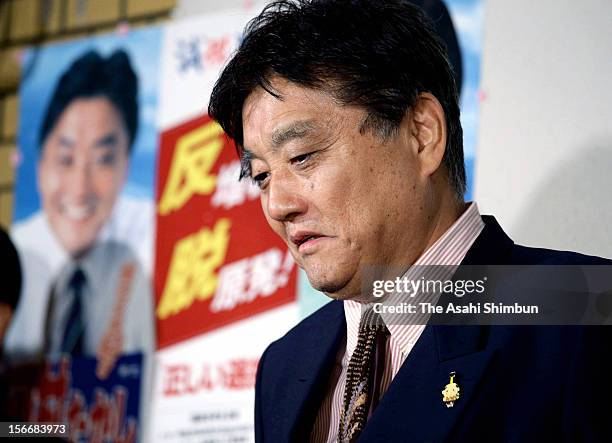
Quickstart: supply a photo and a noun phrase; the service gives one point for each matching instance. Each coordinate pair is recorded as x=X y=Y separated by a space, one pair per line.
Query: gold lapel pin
x=450 y=394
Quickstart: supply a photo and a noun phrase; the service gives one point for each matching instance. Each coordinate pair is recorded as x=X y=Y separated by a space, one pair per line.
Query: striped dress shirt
x=447 y=252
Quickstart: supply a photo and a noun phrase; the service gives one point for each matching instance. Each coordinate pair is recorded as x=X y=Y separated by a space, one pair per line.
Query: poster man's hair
x=90 y=76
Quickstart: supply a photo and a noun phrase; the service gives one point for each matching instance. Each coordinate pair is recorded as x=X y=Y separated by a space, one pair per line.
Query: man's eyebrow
x=65 y=142
x=247 y=155
x=296 y=130
x=106 y=141
x=245 y=163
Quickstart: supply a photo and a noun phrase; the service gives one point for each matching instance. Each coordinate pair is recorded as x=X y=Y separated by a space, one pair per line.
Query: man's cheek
x=264 y=204
x=50 y=184
x=279 y=229
x=107 y=186
x=276 y=226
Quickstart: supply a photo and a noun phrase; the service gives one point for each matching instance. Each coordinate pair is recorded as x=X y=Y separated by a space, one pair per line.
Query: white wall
x=544 y=159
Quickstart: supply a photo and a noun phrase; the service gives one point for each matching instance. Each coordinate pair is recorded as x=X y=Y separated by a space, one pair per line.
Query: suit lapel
x=492 y=247
x=309 y=373
x=412 y=406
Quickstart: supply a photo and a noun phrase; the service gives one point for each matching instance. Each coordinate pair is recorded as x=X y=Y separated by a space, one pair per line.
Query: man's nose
x=285 y=199
x=81 y=179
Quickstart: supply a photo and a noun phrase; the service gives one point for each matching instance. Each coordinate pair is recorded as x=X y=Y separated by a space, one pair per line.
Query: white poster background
x=190 y=62
x=213 y=414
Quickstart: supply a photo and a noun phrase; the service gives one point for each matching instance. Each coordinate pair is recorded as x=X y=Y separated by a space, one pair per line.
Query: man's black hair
x=90 y=76
x=377 y=55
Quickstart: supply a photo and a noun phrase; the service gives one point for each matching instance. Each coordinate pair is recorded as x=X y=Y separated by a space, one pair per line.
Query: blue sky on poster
x=41 y=70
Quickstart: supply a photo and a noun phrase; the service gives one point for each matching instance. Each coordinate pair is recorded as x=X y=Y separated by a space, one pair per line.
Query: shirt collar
x=97 y=255
x=449 y=250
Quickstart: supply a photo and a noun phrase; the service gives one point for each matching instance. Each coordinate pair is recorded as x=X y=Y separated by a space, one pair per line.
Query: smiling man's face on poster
x=82 y=168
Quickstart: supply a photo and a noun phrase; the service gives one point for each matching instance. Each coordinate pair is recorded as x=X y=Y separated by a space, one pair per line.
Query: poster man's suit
x=518 y=383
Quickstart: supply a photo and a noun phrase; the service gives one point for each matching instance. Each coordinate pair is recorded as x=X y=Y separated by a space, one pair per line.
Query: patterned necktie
x=363 y=378
x=72 y=341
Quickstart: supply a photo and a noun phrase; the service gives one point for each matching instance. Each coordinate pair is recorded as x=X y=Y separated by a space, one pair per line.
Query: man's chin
x=336 y=289
x=77 y=249
x=76 y=239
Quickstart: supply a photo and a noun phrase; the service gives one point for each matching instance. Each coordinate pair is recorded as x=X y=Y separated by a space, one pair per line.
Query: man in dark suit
x=345 y=114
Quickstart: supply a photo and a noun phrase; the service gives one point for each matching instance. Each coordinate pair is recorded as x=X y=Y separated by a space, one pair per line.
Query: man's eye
x=300 y=159
x=259 y=179
x=107 y=160
x=65 y=160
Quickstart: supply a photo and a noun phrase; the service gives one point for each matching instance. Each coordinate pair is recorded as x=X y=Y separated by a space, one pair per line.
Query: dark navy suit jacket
x=518 y=383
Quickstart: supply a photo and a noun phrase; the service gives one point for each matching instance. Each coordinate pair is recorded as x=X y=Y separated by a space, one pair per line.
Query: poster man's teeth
x=78 y=212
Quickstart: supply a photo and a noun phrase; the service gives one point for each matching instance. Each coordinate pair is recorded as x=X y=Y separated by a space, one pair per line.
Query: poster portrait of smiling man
x=84 y=199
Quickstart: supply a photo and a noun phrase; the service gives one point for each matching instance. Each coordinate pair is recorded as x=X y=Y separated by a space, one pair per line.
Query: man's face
x=341 y=199
x=82 y=168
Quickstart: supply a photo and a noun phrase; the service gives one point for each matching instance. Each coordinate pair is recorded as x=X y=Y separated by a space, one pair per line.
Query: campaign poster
x=225 y=284
x=217 y=259
x=68 y=392
x=205 y=386
x=84 y=209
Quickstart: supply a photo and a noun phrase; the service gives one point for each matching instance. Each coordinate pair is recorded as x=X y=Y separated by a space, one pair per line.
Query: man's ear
x=427 y=124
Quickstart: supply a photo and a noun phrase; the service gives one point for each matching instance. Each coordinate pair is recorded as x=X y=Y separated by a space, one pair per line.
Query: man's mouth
x=77 y=213
x=304 y=240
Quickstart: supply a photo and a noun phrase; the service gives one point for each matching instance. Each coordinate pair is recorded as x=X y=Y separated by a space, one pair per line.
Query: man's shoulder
x=36 y=243
x=132 y=223
x=28 y=229
x=540 y=256
x=494 y=246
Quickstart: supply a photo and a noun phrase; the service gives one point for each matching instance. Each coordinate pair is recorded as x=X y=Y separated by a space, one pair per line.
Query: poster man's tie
x=72 y=341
